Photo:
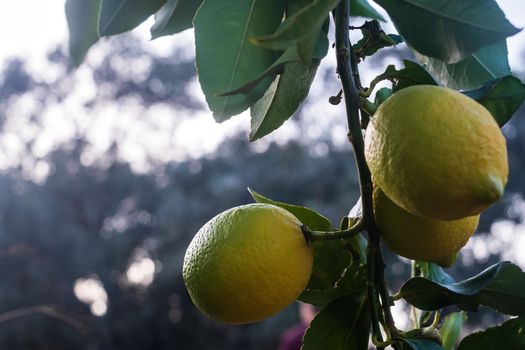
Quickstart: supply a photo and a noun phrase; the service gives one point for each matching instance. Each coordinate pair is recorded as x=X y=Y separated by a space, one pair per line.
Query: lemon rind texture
x=421 y=238
x=247 y=263
x=437 y=153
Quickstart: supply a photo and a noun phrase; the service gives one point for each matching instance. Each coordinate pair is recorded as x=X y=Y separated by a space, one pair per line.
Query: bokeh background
x=107 y=171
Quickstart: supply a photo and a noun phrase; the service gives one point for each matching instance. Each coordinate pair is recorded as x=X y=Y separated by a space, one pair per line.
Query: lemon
x=420 y=238
x=436 y=153
x=247 y=263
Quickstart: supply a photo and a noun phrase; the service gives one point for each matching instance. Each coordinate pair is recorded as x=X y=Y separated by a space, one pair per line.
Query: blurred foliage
x=94 y=220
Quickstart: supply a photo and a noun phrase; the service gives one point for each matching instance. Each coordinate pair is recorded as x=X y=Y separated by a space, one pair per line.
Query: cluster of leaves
x=263 y=55
x=249 y=57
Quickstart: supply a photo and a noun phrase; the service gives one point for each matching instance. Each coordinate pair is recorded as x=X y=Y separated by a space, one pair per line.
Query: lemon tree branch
x=349 y=75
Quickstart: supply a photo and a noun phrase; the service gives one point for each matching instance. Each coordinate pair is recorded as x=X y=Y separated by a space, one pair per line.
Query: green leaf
x=381 y=95
x=434 y=272
x=412 y=74
x=307 y=45
x=488 y=63
x=507 y=336
x=421 y=344
x=502 y=97
x=118 y=16
x=82 y=21
x=361 y=8
x=500 y=287
x=351 y=281
x=282 y=98
x=290 y=55
x=451 y=329
x=299 y=26
x=174 y=17
x=343 y=324
x=308 y=217
x=331 y=264
x=225 y=56
x=449 y=30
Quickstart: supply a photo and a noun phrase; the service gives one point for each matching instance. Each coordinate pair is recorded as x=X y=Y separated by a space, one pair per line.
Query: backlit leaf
x=449 y=30
x=174 y=16
x=118 y=16
x=486 y=64
x=82 y=21
x=226 y=59
x=451 y=329
x=308 y=20
x=502 y=97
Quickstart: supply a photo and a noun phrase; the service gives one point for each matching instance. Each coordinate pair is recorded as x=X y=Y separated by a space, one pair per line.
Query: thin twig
x=42 y=309
x=329 y=235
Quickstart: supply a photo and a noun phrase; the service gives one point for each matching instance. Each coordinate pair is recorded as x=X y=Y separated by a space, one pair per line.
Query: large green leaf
x=502 y=97
x=290 y=55
x=361 y=8
x=298 y=26
x=118 y=16
x=344 y=324
x=82 y=21
x=501 y=287
x=507 y=336
x=486 y=64
x=307 y=216
x=451 y=329
x=449 y=30
x=282 y=98
x=174 y=16
x=226 y=58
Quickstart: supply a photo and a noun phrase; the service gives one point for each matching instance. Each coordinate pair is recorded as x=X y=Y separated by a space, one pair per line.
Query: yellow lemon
x=247 y=263
x=420 y=238
x=436 y=153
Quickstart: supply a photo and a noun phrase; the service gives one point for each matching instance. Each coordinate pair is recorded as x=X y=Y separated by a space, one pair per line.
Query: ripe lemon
x=420 y=238
x=247 y=263
x=436 y=153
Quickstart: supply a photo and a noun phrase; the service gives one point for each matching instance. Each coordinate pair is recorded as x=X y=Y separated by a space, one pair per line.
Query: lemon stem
x=437 y=318
x=414 y=272
x=329 y=235
x=350 y=81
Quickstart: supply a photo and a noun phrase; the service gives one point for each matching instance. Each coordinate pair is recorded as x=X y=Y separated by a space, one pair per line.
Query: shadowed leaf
x=343 y=324
x=508 y=336
x=501 y=287
x=502 y=97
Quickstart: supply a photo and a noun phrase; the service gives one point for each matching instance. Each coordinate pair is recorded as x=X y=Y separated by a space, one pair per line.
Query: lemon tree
x=432 y=159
